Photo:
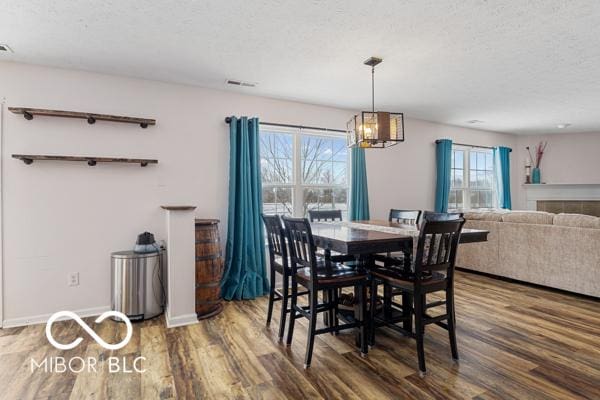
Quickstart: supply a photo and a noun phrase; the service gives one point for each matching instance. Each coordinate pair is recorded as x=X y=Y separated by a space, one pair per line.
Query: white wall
x=404 y=176
x=68 y=217
x=569 y=158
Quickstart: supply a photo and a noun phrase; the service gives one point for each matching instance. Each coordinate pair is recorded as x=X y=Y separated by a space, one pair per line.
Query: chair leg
x=451 y=323
x=310 y=341
x=364 y=348
x=271 y=297
x=284 y=306
x=331 y=298
x=292 y=311
x=372 y=311
x=387 y=302
x=407 y=311
x=420 y=331
x=336 y=310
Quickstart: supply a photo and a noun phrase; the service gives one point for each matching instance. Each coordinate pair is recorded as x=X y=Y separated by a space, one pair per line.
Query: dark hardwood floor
x=515 y=342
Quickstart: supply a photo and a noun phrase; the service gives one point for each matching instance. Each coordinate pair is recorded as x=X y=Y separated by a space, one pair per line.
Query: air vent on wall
x=240 y=83
x=4 y=47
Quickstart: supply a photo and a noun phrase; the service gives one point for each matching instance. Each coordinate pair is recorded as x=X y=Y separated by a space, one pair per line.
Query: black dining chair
x=324 y=215
x=279 y=263
x=316 y=276
x=407 y=217
x=432 y=271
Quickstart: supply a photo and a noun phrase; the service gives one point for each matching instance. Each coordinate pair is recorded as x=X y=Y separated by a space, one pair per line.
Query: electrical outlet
x=73 y=279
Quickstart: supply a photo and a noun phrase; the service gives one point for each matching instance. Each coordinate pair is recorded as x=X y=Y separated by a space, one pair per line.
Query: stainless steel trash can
x=137 y=284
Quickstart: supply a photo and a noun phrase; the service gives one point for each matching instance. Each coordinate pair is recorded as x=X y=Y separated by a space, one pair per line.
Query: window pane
x=321 y=159
x=486 y=199
x=325 y=199
x=339 y=173
x=277 y=200
x=458 y=178
x=480 y=160
x=452 y=199
x=473 y=160
x=276 y=154
x=459 y=199
x=489 y=165
x=458 y=159
x=276 y=145
x=489 y=179
x=474 y=199
x=481 y=179
x=340 y=150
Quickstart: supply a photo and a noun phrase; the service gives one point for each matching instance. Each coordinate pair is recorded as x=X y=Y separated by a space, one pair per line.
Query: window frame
x=466 y=180
x=297 y=184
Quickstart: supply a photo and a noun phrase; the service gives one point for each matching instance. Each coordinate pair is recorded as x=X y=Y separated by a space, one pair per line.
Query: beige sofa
x=561 y=251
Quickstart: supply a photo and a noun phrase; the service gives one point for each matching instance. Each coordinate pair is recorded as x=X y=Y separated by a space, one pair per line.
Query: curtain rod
x=314 y=128
x=472 y=145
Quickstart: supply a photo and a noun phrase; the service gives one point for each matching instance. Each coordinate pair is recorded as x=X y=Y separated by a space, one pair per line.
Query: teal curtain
x=245 y=274
x=443 y=158
x=502 y=157
x=359 y=191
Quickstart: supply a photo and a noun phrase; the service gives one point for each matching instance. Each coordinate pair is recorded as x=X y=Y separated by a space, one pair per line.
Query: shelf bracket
x=91 y=163
x=28 y=116
x=144 y=125
x=91 y=120
x=28 y=161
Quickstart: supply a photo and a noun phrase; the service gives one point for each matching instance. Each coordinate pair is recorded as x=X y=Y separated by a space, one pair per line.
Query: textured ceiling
x=521 y=66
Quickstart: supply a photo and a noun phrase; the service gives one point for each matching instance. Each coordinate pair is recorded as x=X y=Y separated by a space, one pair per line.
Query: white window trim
x=466 y=189
x=297 y=185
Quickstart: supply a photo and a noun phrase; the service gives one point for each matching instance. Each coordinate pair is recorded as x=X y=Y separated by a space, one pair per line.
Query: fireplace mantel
x=560 y=191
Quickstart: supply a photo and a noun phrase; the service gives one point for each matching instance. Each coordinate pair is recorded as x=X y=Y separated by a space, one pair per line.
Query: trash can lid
x=132 y=254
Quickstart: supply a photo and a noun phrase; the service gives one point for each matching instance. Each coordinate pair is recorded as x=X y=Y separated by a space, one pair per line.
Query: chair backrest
x=325 y=215
x=409 y=217
x=438 y=241
x=301 y=244
x=276 y=239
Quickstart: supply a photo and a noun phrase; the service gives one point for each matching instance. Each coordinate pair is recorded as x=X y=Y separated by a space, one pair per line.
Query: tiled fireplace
x=587 y=207
x=564 y=198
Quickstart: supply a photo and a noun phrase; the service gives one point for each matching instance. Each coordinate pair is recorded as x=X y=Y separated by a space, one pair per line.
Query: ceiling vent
x=4 y=47
x=240 y=83
x=475 y=121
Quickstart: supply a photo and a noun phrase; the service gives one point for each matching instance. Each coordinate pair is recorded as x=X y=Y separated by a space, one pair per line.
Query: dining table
x=365 y=239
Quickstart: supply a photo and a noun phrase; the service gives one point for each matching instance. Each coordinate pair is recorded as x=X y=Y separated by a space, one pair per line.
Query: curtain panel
x=443 y=159
x=502 y=157
x=245 y=274
x=359 y=191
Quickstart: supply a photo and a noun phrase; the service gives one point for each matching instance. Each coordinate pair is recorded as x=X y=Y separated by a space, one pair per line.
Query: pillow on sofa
x=577 y=220
x=484 y=215
x=529 y=217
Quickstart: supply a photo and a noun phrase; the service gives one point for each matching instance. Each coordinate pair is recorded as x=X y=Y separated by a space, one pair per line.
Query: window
x=303 y=170
x=473 y=182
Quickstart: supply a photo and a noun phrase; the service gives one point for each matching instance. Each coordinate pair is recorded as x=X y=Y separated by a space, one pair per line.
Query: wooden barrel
x=209 y=268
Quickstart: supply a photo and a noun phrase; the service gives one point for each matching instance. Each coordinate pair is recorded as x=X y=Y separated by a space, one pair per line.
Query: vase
x=536 y=176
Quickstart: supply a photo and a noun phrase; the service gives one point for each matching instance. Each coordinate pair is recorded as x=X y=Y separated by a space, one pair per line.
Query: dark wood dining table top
x=338 y=236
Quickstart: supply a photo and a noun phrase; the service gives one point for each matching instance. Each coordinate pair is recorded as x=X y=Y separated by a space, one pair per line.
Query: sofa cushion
x=577 y=220
x=529 y=217
x=495 y=216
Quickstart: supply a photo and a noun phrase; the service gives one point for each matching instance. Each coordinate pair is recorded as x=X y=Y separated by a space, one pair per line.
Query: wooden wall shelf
x=30 y=158
x=91 y=118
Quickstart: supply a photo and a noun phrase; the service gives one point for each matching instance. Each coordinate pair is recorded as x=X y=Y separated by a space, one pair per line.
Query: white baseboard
x=42 y=319
x=180 y=320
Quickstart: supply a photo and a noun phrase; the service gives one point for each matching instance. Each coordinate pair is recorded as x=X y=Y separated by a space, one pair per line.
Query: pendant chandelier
x=375 y=129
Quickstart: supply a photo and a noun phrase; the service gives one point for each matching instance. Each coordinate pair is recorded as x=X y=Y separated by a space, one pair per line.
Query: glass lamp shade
x=377 y=129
